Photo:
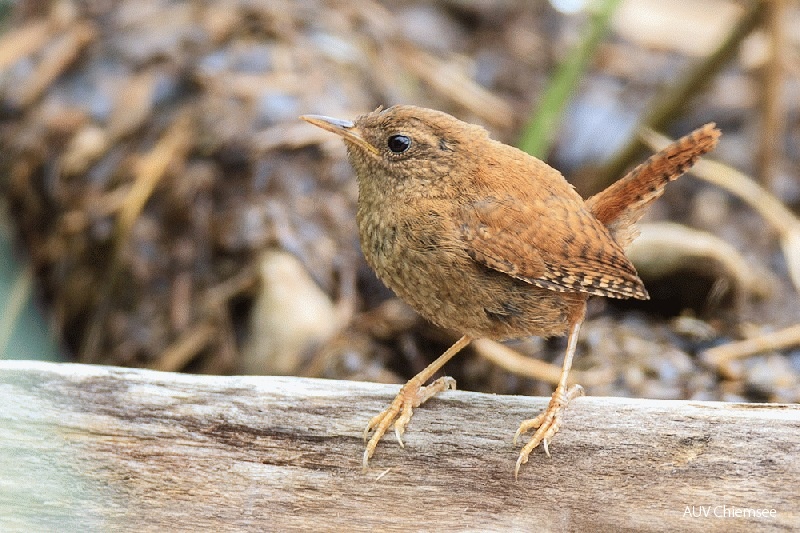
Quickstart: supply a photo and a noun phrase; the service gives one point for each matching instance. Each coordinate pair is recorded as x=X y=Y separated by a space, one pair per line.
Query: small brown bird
x=484 y=239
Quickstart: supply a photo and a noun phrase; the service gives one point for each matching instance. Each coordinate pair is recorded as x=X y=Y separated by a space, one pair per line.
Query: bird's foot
x=412 y=395
x=546 y=424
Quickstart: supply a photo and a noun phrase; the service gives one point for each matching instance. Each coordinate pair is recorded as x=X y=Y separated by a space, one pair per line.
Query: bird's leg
x=548 y=422
x=411 y=395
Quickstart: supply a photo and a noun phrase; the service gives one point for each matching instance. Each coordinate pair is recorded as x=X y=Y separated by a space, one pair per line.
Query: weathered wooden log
x=89 y=448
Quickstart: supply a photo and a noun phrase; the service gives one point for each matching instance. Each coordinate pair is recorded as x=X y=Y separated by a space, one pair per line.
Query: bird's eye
x=399 y=143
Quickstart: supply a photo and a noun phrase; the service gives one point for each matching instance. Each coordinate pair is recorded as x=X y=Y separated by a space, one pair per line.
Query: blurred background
x=164 y=207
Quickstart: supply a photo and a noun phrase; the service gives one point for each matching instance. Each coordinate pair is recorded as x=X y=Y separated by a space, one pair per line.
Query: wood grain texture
x=90 y=448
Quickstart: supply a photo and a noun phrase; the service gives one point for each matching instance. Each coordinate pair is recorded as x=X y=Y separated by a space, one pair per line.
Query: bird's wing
x=553 y=243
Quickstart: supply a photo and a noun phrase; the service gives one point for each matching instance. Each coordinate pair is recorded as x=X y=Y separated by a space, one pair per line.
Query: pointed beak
x=344 y=128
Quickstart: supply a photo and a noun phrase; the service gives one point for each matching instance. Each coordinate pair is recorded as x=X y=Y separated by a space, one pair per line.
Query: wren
x=486 y=240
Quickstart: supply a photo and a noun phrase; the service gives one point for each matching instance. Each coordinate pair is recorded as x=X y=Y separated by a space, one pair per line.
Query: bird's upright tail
x=623 y=203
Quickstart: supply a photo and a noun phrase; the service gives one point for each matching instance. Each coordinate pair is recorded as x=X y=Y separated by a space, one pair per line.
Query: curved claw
x=398 y=432
x=521 y=461
x=365 y=461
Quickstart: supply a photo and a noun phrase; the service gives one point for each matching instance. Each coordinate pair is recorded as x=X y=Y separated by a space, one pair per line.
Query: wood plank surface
x=91 y=448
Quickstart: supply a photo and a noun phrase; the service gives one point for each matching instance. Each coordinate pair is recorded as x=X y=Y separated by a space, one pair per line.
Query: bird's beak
x=344 y=128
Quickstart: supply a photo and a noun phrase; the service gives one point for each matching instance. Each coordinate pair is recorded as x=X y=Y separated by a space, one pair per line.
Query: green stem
x=539 y=134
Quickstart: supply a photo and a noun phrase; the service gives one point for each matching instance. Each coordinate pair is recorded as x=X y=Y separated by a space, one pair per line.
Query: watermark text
x=727 y=511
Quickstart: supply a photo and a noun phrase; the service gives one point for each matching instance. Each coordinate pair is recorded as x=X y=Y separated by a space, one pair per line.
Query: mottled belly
x=454 y=292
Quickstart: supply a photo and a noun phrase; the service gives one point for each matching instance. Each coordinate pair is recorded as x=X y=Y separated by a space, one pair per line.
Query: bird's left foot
x=412 y=395
x=546 y=424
